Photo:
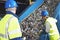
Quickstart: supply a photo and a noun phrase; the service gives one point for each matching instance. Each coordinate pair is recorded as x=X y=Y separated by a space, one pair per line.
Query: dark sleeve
x=18 y=38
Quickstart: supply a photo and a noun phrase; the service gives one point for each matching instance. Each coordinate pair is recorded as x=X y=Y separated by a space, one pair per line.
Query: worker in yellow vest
x=9 y=25
x=50 y=26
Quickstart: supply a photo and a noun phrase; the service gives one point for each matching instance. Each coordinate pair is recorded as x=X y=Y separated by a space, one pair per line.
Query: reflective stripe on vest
x=15 y=31
x=52 y=33
x=7 y=25
x=4 y=36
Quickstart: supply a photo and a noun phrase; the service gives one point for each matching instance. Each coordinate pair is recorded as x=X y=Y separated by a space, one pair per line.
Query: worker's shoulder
x=51 y=19
x=12 y=17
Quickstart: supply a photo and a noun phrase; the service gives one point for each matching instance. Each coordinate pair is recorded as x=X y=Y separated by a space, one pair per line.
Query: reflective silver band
x=3 y=36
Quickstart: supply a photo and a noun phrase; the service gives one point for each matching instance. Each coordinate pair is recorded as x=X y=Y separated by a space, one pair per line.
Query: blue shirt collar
x=8 y=12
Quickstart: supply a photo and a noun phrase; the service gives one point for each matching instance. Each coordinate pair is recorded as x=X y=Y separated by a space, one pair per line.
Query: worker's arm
x=14 y=29
x=47 y=27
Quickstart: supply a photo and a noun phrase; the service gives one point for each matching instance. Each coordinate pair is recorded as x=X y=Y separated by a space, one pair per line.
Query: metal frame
x=30 y=10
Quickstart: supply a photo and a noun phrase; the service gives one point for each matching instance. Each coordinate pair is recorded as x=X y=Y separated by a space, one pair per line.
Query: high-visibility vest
x=53 y=33
x=9 y=27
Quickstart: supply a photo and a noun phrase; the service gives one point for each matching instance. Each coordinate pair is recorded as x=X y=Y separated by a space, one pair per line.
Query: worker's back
x=4 y=27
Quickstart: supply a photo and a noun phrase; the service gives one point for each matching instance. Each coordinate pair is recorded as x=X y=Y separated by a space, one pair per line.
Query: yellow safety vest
x=54 y=34
x=9 y=28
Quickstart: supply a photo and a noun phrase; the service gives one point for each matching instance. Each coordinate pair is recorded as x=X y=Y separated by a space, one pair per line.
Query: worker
x=9 y=25
x=50 y=26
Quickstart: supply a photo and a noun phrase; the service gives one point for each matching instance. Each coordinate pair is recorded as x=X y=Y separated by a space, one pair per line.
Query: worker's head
x=11 y=5
x=44 y=14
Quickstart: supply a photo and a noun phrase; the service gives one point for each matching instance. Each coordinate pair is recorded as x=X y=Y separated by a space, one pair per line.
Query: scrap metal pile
x=31 y=26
